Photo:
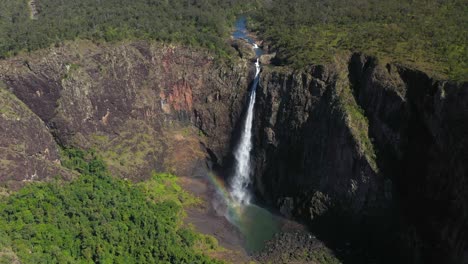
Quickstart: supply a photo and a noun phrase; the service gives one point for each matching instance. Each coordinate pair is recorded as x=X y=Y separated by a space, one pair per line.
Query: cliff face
x=133 y=102
x=427 y=129
x=303 y=133
x=367 y=151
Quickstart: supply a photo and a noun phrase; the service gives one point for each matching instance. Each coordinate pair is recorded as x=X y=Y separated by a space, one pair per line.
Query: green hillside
x=99 y=219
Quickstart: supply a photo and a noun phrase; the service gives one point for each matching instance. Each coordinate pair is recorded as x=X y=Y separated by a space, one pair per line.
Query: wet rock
x=287 y=206
x=295 y=247
x=244 y=49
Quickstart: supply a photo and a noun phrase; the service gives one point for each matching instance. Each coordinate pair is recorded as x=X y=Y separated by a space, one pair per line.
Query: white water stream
x=241 y=179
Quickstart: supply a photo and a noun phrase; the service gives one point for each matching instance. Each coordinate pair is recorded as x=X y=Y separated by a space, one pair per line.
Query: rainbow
x=220 y=186
x=256 y=224
x=234 y=210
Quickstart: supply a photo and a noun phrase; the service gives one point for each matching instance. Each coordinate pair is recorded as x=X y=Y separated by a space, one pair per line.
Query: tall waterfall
x=241 y=178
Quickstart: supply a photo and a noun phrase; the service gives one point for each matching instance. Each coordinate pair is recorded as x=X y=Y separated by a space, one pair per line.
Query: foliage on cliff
x=200 y=23
x=429 y=34
x=97 y=218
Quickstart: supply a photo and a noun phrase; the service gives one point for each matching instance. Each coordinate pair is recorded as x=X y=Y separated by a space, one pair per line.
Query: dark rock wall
x=310 y=158
x=421 y=124
x=368 y=151
x=302 y=134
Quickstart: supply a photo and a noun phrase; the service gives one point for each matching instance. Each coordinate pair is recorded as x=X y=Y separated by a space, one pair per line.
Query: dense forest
x=428 y=34
x=99 y=219
x=202 y=23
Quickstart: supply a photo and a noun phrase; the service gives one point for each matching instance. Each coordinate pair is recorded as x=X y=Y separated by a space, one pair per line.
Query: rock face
x=27 y=150
x=133 y=102
x=367 y=151
x=422 y=128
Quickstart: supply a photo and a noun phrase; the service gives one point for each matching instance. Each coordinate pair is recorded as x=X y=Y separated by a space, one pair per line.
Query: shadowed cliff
x=370 y=156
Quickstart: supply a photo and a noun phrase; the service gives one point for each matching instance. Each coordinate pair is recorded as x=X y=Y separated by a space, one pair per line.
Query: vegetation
x=429 y=34
x=98 y=219
x=164 y=187
x=202 y=23
x=354 y=115
x=323 y=256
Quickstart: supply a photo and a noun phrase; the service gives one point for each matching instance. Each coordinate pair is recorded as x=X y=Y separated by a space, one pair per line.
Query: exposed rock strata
x=131 y=101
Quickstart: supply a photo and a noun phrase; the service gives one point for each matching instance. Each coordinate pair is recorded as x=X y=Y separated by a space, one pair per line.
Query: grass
x=128 y=151
x=354 y=116
x=8 y=256
x=9 y=104
x=165 y=186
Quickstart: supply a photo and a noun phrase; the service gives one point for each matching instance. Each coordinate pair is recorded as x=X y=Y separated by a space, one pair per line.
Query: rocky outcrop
x=28 y=152
x=363 y=151
x=244 y=49
x=134 y=102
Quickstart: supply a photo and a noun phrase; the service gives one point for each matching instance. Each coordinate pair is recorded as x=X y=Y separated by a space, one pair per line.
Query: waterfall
x=241 y=178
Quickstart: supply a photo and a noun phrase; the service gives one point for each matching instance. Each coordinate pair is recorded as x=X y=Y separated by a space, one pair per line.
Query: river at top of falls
x=241 y=32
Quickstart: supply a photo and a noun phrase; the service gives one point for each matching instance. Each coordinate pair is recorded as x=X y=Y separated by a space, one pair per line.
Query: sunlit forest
x=97 y=218
x=430 y=35
x=203 y=23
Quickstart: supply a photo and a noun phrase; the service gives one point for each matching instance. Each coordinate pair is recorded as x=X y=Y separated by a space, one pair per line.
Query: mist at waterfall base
x=255 y=224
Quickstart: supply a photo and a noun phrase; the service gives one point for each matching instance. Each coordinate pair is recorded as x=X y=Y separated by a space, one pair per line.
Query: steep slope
x=314 y=160
x=27 y=150
x=424 y=122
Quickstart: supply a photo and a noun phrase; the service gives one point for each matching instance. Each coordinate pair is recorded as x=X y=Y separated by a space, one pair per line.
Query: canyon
x=369 y=155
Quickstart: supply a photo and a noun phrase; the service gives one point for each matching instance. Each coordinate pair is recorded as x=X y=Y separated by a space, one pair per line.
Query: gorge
x=370 y=155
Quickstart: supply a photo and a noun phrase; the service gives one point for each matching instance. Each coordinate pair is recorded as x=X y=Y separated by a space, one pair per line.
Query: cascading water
x=256 y=225
x=241 y=179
